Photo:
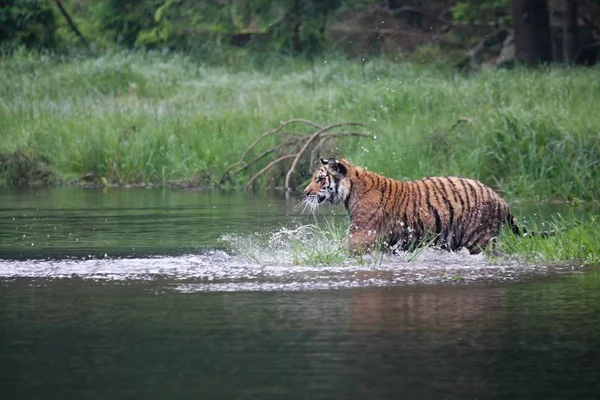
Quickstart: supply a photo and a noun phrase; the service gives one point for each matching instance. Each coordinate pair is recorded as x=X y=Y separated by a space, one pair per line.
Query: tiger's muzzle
x=319 y=196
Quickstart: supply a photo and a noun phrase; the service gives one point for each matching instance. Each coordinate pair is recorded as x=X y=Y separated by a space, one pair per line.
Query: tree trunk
x=532 y=31
x=70 y=22
x=296 y=24
x=570 y=37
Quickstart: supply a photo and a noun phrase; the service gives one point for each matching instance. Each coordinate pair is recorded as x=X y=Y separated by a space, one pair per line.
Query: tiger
x=450 y=213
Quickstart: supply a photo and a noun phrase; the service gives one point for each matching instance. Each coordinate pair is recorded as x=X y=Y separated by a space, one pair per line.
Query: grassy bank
x=139 y=117
x=577 y=242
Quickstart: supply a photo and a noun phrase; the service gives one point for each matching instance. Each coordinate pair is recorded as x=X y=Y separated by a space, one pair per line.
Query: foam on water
x=274 y=262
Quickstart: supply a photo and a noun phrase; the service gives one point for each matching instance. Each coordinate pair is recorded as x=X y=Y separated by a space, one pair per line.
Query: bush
x=29 y=23
x=123 y=20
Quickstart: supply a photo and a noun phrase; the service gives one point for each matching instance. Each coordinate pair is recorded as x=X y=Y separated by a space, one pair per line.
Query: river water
x=190 y=294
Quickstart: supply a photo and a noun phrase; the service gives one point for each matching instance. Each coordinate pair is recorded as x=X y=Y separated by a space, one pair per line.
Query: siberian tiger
x=452 y=212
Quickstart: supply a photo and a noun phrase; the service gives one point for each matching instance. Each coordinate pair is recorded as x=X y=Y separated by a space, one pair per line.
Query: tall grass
x=145 y=117
x=577 y=242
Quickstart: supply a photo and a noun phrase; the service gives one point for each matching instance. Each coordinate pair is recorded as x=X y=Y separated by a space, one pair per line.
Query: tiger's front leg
x=360 y=241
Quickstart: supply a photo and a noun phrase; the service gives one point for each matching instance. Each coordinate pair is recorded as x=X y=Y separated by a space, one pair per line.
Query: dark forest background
x=463 y=33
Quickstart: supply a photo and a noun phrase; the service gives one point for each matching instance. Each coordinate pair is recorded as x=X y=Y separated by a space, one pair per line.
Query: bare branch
x=360 y=134
x=282 y=125
x=290 y=141
x=291 y=145
x=274 y=131
x=265 y=169
x=308 y=142
x=458 y=122
x=315 y=149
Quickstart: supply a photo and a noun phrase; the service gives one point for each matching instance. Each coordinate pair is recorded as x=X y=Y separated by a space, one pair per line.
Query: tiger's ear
x=337 y=166
x=323 y=161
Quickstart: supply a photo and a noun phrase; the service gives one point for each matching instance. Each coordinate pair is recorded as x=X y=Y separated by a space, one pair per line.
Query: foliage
x=29 y=23
x=291 y=27
x=302 y=29
x=520 y=142
x=123 y=20
x=20 y=169
x=185 y=24
x=145 y=117
x=487 y=11
x=575 y=241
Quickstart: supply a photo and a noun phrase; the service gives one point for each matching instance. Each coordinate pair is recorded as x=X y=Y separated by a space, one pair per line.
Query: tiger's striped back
x=451 y=212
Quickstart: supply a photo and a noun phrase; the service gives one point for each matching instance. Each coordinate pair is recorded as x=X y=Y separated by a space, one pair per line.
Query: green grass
x=575 y=242
x=145 y=117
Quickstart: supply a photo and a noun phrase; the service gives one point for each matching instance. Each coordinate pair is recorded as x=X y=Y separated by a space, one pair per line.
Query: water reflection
x=71 y=222
x=78 y=338
x=165 y=327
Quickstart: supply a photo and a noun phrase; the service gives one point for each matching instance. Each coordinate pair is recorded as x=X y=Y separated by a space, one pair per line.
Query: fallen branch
x=268 y=167
x=266 y=153
x=458 y=122
x=278 y=129
x=261 y=137
x=310 y=139
x=291 y=145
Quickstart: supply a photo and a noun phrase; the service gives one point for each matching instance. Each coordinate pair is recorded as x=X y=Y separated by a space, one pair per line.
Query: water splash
x=303 y=245
x=303 y=258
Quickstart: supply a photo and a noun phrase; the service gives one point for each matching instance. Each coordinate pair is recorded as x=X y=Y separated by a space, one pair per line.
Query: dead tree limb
x=268 y=167
x=315 y=151
x=259 y=139
x=278 y=129
x=265 y=153
x=289 y=145
x=327 y=136
x=308 y=142
x=458 y=122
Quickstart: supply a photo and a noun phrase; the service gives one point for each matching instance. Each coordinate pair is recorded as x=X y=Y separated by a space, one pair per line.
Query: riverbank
x=145 y=118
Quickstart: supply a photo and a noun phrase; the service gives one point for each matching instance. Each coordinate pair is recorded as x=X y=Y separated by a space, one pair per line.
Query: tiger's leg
x=361 y=241
x=486 y=243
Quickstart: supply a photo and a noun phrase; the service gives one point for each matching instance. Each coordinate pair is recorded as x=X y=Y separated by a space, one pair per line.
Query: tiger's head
x=330 y=182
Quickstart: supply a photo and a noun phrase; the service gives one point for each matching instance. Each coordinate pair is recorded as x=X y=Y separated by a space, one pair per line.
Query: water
x=136 y=294
x=71 y=222
x=78 y=338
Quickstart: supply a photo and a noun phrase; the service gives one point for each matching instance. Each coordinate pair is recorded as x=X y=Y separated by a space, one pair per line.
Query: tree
x=570 y=36
x=28 y=23
x=123 y=20
x=532 y=31
x=302 y=27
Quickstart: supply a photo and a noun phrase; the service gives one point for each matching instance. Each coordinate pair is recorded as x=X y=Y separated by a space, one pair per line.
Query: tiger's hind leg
x=486 y=244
